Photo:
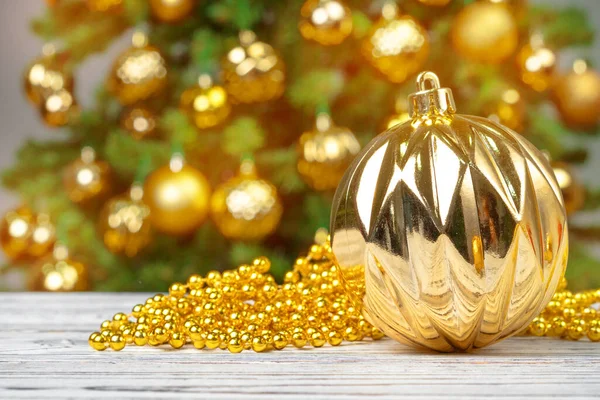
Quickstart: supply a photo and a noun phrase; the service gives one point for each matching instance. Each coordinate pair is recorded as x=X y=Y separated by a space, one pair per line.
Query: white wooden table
x=44 y=354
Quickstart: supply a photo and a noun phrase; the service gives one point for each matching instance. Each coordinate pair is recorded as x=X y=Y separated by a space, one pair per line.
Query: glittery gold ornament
x=435 y=3
x=59 y=108
x=577 y=96
x=509 y=110
x=246 y=207
x=253 y=71
x=25 y=235
x=46 y=75
x=86 y=178
x=485 y=32
x=397 y=46
x=536 y=64
x=327 y=22
x=140 y=122
x=138 y=73
x=58 y=273
x=206 y=105
x=171 y=11
x=400 y=116
x=124 y=223
x=113 y=6
x=573 y=191
x=450 y=229
x=178 y=196
x=325 y=153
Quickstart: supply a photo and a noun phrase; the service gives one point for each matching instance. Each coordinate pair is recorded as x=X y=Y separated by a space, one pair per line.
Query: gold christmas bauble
x=536 y=64
x=485 y=32
x=253 y=71
x=59 y=108
x=577 y=96
x=58 y=273
x=124 y=223
x=397 y=46
x=171 y=11
x=43 y=236
x=325 y=153
x=327 y=22
x=45 y=76
x=178 y=196
x=86 y=178
x=140 y=122
x=206 y=105
x=25 y=235
x=572 y=189
x=246 y=207
x=509 y=110
x=451 y=228
x=138 y=73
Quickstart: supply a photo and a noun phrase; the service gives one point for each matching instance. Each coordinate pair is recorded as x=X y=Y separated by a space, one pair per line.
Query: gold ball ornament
x=140 y=122
x=171 y=11
x=449 y=228
x=58 y=273
x=59 y=108
x=246 y=207
x=485 y=32
x=397 y=46
x=577 y=96
x=572 y=189
x=206 y=105
x=25 y=235
x=125 y=223
x=178 y=196
x=253 y=71
x=536 y=64
x=138 y=73
x=325 y=153
x=509 y=110
x=45 y=76
x=327 y=22
x=87 y=178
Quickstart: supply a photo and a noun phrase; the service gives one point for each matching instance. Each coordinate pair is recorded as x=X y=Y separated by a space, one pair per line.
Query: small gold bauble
x=536 y=64
x=325 y=153
x=327 y=22
x=140 y=122
x=253 y=71
x=138 y=73
x=46 y=75
x=573 y=191
x=450 y=228
x=485 y=32
x=58 y=273
x=86 y=178
x=25 y=235
x=171 y=11
x=178 y=196
x=397 y=46
x=59 y=108
x=509 y=110
x=577 y=96
x=124 y=223
x=246 y=207
x=206 y=105
x=43 y=236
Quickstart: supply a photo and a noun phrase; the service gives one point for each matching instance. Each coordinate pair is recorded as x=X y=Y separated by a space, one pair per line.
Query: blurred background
x=255 y=126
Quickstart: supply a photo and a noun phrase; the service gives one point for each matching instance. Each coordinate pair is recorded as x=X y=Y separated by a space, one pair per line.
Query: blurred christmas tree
x=203 y=149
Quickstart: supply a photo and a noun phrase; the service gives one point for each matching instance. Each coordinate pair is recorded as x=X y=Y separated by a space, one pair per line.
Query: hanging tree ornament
x=125 y=223
x=397 y=46
x=46 y=75
x=572 y=190
x=327 y=22
x=450 y=228
x=140 y=122
x=246 y=207
x=171 y=11
x=206 y=105
x=59 y=108
x=86 y=178
x=536 y=64
x=178 y=196
x=509 y=110
x=485 y=32
x=25 y=235
x=253 y=71
x=58 y=273
x=325 y=153
x=138 y=73
x=577 y=96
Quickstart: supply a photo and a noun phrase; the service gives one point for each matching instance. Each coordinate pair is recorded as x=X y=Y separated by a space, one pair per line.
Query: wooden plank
x=44 y=354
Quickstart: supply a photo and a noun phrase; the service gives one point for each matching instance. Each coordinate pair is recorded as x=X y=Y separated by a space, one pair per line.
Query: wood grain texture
x=44 y=354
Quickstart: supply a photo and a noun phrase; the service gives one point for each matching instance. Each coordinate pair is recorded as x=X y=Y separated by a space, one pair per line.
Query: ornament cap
x=430 y=99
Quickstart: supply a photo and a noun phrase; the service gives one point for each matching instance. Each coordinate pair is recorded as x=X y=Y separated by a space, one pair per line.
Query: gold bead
x=557 y=327
x=98 y=341
x=177 y=290
x=258 y=344
x=199 y=344
x=234 y=345
x=299 y=340
x=212 y=340
x=280 y=340
x=576 y=329
x=117 y=342
x=317 y=339
x=177 y=340
x=140 y=338
x=594 y=333
x=335 y=338
x=538 y=327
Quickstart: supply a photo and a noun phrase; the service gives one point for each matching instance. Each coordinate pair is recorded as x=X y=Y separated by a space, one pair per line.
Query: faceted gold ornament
x=253 y=71
x=206 y=105
x=450 y=228
x=327 y=22
x=325 y=153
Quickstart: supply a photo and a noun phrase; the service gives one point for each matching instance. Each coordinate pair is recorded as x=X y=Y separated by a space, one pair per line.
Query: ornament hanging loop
x=427 y=77
x=430 y=100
